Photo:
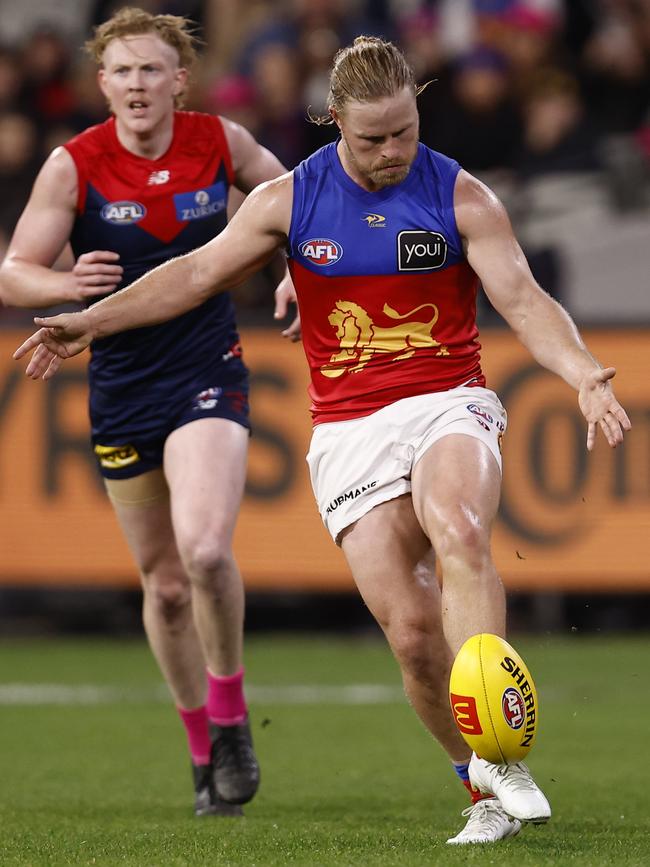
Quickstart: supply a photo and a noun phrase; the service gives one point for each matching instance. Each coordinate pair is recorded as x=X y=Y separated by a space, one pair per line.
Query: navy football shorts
x=139 y=450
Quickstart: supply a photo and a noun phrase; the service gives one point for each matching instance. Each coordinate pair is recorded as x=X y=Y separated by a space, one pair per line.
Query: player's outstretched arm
x=258 y=229
x=542 y=325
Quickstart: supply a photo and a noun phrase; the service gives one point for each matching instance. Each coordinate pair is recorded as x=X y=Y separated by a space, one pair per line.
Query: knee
x=167 y=596
x=463 y=538
x=209 y=563
x=413 y=644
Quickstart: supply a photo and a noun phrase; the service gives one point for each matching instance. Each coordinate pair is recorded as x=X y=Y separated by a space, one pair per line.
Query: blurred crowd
x=520 y=89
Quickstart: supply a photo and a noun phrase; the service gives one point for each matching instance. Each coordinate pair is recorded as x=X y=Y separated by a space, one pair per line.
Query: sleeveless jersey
x=387 y=298
x=149 y=211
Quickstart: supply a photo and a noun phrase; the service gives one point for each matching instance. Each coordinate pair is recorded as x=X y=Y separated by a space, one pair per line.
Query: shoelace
x=485 y=815
x=517 y=777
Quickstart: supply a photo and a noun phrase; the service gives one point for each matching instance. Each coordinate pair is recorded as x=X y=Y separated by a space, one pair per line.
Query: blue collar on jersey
x=382 y=195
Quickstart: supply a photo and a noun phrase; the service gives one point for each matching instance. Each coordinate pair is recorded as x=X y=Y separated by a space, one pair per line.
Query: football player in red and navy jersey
x=169 y=403
x=387 y=242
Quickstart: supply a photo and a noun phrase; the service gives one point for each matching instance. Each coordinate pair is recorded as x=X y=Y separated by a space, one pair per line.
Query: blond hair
x=174 y=31
x=369 y=69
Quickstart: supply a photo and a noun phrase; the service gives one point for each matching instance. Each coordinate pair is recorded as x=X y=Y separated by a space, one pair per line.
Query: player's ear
x=180 y=80
x=101 y=80
x=335 y=116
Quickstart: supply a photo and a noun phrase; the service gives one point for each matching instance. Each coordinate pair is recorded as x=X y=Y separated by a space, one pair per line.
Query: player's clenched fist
x=96 y=273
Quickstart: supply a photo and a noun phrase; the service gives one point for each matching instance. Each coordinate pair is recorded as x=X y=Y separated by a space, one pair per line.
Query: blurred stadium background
x=546 y=100
x=549 y=102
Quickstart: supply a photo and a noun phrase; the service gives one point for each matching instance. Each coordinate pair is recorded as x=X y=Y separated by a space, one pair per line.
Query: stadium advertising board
x=569 y=520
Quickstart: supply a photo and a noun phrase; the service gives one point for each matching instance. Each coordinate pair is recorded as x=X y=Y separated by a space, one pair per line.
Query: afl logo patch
x=123 y=213
x=514 y=709
x=321 y=251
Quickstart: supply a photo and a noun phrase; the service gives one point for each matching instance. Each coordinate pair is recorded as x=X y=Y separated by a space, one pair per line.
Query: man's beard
x=377 y=173
x=383 y=178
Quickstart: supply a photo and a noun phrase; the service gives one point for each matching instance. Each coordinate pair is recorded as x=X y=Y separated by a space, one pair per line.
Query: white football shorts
x=355 y=465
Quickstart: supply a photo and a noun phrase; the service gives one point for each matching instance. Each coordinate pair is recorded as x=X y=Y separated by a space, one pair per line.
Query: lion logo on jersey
x=360 y=339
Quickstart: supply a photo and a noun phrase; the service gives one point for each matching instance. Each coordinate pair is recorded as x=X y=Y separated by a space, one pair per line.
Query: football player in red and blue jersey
x=168 y=403
x=387 y=243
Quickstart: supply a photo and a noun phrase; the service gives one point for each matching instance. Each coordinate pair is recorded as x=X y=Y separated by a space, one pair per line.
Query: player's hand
x=60 y=337
x=95 y=273
x=600 y=407
x=285 y=295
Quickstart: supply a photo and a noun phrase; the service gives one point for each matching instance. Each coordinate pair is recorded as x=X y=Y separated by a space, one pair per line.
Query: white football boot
x=513 y=785
x=487 y=823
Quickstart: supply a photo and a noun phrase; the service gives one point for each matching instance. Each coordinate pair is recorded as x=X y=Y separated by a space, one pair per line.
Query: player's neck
x=151 y=143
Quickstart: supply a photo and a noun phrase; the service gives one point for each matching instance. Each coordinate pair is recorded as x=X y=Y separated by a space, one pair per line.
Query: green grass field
x=94 y=770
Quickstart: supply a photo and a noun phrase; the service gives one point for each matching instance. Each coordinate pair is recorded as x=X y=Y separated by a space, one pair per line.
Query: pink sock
x=226 y=702
x=198 y=736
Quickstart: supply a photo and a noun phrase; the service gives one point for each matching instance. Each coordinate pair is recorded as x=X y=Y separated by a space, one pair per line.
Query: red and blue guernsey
x=387 y=298
x=149 y=211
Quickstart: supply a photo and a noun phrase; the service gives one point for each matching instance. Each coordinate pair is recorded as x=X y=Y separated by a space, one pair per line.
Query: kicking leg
x=392 y=564
x=455 y=490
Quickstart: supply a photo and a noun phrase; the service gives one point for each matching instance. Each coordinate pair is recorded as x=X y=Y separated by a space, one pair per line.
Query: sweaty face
x=140 y=78
x=379 y=139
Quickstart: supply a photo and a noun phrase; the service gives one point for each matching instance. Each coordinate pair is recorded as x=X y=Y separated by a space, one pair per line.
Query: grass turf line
x=341 y=785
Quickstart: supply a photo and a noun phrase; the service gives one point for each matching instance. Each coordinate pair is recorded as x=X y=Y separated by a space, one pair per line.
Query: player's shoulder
x=57 y=181
x=270 y=203
x=472 y=192
x=274 y=191
x=317 y=164
x=477 y=206
x=96 y=139
x=195 y=126
x=198 y=135
x=430 y=162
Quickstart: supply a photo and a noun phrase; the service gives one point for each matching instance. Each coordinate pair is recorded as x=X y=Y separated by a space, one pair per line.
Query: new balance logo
x=160 y=177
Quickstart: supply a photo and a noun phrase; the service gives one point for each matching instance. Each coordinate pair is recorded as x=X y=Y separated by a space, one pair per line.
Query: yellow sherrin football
x=493 y=699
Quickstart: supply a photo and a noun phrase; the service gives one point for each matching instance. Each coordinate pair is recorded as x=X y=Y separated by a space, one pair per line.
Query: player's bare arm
x=542 y=325
x=252 y=163
x=257 y=231
x=26 y=275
